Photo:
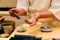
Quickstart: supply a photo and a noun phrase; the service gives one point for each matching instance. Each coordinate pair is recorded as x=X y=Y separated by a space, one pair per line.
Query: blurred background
x=8 y=3
x=5 y=5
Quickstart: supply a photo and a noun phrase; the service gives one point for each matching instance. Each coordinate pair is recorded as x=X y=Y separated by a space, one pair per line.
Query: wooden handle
x=16 y=15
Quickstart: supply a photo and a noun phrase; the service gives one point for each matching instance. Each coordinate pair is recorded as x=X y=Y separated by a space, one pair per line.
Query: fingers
x=31 y=22
x=12 y=11
x=28 y=21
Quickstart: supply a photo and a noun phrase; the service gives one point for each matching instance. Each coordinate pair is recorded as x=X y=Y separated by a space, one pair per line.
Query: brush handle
x=16 y=15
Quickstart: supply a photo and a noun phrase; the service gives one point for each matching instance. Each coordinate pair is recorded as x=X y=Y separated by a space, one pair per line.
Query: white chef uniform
x=34 y=6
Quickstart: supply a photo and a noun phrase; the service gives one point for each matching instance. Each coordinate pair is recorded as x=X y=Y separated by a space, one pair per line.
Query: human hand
x=16 y=11
x=31 y=21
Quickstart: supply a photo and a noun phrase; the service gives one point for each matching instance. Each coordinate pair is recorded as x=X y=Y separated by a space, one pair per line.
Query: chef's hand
x=16 y=11
x=31 y=21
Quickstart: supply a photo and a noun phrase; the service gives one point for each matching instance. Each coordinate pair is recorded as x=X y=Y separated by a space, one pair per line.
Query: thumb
x=28 y=21
x=33 y=23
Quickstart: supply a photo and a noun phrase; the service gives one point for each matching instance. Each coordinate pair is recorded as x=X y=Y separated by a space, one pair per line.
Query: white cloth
x=40 y=6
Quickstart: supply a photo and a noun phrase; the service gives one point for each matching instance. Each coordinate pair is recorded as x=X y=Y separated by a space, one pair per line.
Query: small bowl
x=46 y=29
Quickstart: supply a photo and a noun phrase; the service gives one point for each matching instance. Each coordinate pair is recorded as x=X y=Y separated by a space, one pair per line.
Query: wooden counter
x=35 y=31
x=4 y=13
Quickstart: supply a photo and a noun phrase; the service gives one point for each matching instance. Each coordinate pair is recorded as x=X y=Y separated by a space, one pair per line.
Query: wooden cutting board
x=35 y=31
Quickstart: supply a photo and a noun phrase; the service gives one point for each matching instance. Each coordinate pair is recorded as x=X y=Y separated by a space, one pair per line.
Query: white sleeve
x=24 y=4
x=55 y=8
